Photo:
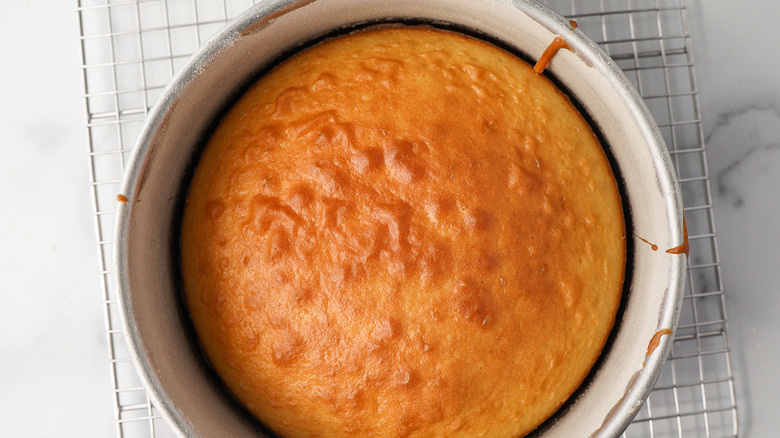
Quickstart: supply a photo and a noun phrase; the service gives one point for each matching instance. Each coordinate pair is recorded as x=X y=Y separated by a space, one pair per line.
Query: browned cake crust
x=403 y=232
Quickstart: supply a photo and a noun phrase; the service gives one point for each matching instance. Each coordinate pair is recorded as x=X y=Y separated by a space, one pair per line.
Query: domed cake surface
x=403 y=232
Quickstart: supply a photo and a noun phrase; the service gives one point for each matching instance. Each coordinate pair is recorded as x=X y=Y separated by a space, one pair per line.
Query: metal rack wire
x=131 y=49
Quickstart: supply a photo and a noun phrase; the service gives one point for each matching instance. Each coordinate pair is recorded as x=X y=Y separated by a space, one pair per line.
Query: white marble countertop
x=54 y=370
x=740 y=98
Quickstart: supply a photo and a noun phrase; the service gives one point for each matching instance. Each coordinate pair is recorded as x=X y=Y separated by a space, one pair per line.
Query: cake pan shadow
x=155 y=321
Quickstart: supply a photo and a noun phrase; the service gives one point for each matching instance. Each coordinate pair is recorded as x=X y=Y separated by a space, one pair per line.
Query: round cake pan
x=156 y=324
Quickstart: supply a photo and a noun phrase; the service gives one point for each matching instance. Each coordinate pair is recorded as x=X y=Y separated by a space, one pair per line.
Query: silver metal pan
x=156 y=324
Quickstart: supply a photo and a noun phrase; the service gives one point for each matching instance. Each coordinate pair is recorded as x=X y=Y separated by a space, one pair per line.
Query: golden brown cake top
x=403 y=232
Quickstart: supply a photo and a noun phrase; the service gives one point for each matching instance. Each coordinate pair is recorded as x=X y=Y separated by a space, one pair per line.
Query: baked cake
x=403 y=232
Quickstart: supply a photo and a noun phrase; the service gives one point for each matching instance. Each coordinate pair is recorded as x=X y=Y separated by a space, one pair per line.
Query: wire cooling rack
x=131 y=49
